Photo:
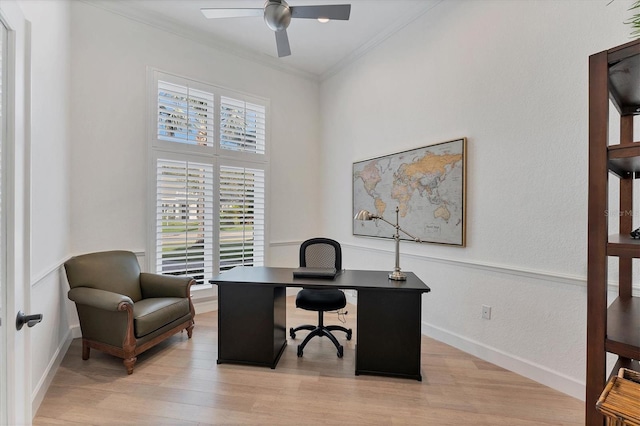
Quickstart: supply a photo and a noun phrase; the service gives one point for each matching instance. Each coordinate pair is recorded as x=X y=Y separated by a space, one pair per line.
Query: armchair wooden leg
x=129 y=363
x=190 y=330
x=85 y=350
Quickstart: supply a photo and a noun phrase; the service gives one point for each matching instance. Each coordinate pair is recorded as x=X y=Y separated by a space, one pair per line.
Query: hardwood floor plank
x=179 y=383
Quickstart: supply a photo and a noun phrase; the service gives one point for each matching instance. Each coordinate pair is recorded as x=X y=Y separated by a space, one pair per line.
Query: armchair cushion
x=152 y=314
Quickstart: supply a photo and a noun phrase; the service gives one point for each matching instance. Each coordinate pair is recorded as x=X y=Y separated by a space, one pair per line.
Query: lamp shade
x=364 y=215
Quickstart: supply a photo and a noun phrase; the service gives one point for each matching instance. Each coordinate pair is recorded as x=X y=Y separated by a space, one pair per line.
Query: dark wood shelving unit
x=622 y=245
x=624 y=160
x=623 y=327
x=614 y=75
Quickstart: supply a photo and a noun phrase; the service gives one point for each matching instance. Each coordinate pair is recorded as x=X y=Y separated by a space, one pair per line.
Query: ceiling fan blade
x=282 y=42
x=231 y=13
x=331 y=11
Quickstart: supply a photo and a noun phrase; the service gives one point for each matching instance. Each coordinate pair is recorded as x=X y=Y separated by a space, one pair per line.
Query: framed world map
x=426 y=184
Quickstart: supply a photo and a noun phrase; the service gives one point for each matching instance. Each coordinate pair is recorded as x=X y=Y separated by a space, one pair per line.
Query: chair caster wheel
x=299 y=351
x=292 y=333
x=349 y=334
x=340 y=351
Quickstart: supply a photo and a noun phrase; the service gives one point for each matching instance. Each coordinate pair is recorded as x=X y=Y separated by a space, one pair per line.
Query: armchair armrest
x=100 y=299
x=157 y=285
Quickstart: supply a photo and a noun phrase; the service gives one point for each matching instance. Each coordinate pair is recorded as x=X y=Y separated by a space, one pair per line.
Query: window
x=209 y=155
x=241 y=217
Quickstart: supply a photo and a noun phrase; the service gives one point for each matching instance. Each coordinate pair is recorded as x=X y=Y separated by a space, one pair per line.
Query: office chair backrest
x=321 y=253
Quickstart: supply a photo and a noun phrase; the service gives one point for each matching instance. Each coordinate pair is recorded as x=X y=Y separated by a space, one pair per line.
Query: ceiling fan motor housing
x=277 y=15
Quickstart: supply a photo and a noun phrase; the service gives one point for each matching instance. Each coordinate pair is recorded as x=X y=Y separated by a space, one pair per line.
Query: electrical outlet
x=486 y=312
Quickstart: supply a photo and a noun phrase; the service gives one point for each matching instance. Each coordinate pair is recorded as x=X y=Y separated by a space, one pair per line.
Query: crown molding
x=158 y=21
x=155 y=20
x=411 y=15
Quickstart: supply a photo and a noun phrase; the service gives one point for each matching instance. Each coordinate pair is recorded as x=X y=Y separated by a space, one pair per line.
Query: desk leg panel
x=388 y=333
x=251 y=324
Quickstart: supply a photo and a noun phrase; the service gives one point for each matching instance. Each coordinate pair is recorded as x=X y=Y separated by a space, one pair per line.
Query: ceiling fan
x=277 y=15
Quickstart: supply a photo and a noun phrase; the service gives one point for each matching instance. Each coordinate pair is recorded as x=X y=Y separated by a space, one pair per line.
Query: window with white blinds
x=185 y=115
x=209 y=150
x=242 y=201
x=242 y=126
x=184 y=218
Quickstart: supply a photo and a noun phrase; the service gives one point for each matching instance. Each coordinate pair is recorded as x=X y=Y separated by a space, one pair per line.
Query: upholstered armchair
x=123 y=311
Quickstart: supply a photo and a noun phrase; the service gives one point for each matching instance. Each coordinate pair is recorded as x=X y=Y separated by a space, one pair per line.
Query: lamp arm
x=395 y=225
x=384 y=220
x=397 y=274
x=416 y=239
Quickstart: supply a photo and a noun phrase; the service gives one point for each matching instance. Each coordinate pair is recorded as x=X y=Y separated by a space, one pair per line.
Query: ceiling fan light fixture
x=277 y=15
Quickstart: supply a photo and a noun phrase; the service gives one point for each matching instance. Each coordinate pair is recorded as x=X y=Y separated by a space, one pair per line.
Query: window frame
x=214 y=155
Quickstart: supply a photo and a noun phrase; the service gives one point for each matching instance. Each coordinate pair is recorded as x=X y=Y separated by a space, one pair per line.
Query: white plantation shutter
x=184 y=218
x=242 y=204
x=242 y=126
x=185 y=114
x=208 y=147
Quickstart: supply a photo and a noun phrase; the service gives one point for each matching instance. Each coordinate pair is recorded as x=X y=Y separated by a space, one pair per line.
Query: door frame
x=17 y=400
x=3 y=225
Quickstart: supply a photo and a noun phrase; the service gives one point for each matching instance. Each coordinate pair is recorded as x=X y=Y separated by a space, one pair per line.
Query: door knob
x=30 y=320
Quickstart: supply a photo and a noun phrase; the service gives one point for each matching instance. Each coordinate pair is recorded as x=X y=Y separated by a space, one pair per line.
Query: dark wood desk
x=252 y=325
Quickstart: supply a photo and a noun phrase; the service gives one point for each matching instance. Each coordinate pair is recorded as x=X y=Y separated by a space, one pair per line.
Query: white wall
x=50 y=86
x=516 y=87
x=512 y=77
x=110 y=56
x=89 y=148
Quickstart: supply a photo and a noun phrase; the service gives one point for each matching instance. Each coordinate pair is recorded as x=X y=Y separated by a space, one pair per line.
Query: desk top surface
x=346 y=279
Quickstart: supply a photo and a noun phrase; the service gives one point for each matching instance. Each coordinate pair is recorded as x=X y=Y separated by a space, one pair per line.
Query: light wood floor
x=179 y=383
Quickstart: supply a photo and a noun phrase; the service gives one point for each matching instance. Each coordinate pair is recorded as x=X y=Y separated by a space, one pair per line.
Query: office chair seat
x=320 y=300
x=322 y=253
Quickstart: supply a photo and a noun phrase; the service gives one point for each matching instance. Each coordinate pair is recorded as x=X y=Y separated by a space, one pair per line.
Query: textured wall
x=517 y=88
x=110 y=56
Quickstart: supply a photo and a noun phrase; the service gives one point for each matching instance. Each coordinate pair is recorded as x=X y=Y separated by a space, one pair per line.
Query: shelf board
x=624 y=160
x=623 y=85
x=623 y=327
x=623 y=246
x=618 y=53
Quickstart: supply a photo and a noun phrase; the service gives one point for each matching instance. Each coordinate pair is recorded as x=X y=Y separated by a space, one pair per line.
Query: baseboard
x=205 y=306
x=38 y=394
x=523 y=367
x=76 y=332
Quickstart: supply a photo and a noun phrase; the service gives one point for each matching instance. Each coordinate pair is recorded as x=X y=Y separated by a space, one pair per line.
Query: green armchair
x=123 y=311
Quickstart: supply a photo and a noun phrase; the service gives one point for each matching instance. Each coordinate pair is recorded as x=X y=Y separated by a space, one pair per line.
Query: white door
x=3 y=268
x=15 y=357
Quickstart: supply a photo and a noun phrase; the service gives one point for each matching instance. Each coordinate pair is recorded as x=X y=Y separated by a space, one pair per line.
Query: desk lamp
x=397 y=274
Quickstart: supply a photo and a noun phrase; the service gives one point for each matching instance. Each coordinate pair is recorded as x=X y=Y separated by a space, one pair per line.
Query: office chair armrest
x=157 y=285
x=100 y=299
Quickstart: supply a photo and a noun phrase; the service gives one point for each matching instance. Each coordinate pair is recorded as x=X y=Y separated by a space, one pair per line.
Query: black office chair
x=320 y=253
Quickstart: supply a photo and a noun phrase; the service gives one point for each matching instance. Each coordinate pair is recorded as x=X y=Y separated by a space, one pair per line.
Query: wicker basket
x=620 y=400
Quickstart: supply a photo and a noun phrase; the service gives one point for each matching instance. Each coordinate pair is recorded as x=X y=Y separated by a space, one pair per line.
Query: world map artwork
x=426 y=184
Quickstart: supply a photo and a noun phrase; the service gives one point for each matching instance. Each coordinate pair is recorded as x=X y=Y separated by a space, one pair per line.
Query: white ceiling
x=317 y=50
